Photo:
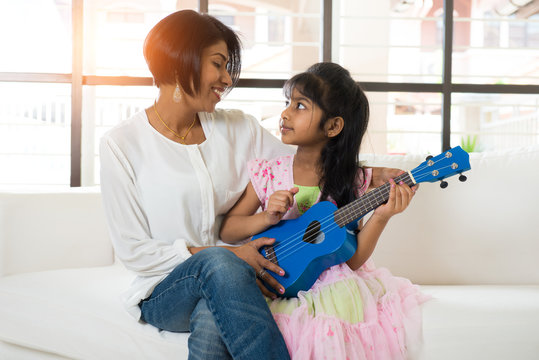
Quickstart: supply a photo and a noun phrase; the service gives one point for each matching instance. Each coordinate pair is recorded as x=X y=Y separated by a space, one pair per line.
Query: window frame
x=78 y=80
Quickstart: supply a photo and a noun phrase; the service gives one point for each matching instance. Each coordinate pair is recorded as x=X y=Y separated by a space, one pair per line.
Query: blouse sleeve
x=266 y=146
x=128 y=227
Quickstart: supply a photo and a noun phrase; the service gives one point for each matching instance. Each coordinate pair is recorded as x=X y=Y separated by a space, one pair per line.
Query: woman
x=168 y=174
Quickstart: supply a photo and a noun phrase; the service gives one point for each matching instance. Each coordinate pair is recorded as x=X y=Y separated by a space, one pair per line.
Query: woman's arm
x=381 y=175
x=399 y=199
x=128 y=227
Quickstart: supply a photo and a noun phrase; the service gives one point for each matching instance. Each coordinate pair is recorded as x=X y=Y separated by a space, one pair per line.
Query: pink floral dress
x=362 y=314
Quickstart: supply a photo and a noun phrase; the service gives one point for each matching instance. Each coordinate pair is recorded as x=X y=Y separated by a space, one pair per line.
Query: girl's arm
x=399 y=199
x=242 y=221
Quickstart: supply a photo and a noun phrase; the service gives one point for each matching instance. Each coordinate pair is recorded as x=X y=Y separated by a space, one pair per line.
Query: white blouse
x=161 y=197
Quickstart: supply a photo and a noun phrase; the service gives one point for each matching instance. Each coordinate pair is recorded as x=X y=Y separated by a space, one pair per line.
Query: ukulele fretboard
x=368 y=202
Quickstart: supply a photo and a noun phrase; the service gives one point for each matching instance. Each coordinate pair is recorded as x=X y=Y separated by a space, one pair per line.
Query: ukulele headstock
x=448 y=163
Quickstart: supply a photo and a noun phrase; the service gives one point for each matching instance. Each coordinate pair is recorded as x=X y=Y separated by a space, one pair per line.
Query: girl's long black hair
x=332 y=88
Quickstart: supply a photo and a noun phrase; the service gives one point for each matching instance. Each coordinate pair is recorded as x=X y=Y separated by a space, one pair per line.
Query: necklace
x=182 y=138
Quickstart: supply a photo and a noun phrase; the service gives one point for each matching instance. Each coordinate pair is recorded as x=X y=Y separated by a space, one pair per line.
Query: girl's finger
x=391 y=200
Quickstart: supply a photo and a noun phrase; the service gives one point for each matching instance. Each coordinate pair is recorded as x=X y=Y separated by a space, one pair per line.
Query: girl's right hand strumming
x=278 y=204
x=249 y=253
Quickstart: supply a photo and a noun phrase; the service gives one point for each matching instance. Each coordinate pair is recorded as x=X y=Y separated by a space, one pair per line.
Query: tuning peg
x=429 y=157
x=462 y=178
x=443 y=184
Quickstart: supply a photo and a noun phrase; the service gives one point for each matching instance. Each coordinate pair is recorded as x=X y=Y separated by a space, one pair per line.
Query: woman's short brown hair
x=173 y=48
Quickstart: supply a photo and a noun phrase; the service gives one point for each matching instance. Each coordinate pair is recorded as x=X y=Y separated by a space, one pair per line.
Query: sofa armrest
x=52 y=230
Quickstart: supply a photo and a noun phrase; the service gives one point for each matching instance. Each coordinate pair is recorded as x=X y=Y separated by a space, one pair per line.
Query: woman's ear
x=334 y=126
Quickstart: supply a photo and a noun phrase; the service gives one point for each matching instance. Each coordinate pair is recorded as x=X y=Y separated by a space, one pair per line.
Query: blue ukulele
x=306 y=246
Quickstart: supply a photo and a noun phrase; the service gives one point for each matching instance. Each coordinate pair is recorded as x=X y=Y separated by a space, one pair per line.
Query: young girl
x=353 y=311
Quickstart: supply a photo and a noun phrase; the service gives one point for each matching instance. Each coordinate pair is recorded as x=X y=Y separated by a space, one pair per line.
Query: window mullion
x=76 y=93
x=447 y=74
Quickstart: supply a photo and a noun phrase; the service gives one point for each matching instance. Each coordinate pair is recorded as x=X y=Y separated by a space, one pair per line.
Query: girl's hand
x=399 y=198
x=278 y=204
x=249 y=253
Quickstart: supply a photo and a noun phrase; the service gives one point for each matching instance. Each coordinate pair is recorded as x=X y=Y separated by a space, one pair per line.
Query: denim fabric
x=214 y=295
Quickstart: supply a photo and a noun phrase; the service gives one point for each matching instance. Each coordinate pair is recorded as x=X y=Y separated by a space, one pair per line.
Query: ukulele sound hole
x=313 y=235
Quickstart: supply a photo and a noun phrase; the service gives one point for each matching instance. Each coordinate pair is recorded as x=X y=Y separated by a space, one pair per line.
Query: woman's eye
x=218 y=65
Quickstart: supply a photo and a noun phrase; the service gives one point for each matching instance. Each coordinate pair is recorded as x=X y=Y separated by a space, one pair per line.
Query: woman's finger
x=270 y=280
x=265 y=290
x=262 y=241
x=267 y=264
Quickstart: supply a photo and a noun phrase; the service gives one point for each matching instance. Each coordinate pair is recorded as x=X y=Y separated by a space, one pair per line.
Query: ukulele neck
x=368 y=202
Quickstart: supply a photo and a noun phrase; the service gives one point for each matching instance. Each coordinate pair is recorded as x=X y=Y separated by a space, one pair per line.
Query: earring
x=177 y=96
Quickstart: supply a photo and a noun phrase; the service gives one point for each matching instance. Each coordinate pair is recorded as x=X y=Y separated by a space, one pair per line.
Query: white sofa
x=473 y=247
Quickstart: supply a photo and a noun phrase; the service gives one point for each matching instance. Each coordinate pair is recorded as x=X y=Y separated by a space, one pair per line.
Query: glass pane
x=389 y=40
x=103 y=108
x=280 y=38
x=265 y=105
x=35 y=36
x=106 y=106
x=498 y=45
x=114 y=32
x=35 y=134
x=402 y=123
x=485 y=122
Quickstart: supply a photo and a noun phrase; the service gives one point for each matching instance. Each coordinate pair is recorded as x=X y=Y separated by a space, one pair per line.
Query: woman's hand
x=249 y=253
x=278 y=204
x=400 y=196
x=381 y=175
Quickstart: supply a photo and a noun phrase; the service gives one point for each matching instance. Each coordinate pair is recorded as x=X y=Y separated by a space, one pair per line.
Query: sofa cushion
x=76 y=313
x=480 y=322
x=482 y=231
x=52 y=230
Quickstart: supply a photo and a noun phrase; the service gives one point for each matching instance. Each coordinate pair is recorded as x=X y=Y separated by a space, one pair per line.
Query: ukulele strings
x=298 y=245
x=373 y=197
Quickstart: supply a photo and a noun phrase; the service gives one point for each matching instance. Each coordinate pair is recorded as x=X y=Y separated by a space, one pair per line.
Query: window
x=433 y=80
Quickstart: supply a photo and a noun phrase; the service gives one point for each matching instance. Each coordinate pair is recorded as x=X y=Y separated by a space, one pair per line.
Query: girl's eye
x=286 y=103
x=301 y=106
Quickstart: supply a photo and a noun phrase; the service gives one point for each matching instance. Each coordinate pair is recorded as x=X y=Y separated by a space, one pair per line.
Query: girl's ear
x=334 y=126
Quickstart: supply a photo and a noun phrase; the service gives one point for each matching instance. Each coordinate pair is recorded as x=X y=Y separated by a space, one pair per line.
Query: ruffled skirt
x=349 y=315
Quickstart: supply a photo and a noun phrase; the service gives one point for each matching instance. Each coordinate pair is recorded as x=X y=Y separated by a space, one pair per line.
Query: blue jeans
x=214 y=295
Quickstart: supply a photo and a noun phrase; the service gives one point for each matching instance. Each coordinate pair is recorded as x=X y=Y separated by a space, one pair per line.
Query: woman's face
x=214 y=77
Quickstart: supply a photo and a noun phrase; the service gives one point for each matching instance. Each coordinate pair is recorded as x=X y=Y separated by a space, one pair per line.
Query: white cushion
x=482 y=231
x=76 y=313
x=481 y=322
x=52 y=230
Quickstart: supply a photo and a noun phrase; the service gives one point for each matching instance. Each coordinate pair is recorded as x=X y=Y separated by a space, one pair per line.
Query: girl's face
x=300 y=121
x=214 y=77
